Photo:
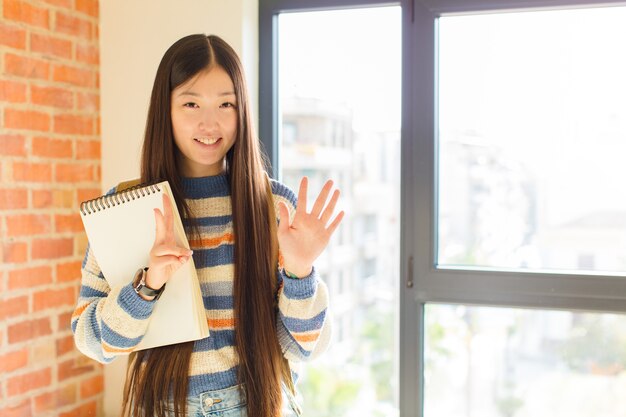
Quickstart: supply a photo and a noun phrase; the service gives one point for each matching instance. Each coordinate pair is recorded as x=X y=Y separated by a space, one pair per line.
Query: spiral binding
x=107 y=201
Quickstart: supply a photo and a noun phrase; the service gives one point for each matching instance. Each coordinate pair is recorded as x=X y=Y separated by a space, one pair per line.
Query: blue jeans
x=230 y=402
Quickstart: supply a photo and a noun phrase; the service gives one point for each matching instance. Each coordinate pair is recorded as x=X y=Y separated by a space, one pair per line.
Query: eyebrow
x=191 y=93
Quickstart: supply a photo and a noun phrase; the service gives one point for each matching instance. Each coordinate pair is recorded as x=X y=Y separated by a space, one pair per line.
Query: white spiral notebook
x=121 y=229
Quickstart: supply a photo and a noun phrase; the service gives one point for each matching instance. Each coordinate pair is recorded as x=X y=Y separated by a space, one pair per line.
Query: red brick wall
x=49 y=162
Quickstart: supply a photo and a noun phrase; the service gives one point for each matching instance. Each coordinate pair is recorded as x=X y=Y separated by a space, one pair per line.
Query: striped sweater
x=108 y=321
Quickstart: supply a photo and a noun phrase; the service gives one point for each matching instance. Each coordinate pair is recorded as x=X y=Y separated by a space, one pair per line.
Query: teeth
x=207 y=141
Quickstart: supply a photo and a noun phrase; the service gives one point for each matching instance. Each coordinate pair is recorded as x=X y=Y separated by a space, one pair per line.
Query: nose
x=208 y=119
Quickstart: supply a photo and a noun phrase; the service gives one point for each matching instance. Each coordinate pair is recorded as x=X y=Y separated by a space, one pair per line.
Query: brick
x=42 y=352
x=14 y=252
x=72 y=368
x=67 y=4
x=64 y=321
x=27 y=13
x=41 y=198
x=52 y=148
x=12 y=145
x=51 y=401
x=47 y=299
x=86 y=410
x=73 y=124
x=85 y=194
x=13 y=360
x=75 y=76
x=26 y=67
x=72 y=25
x=16 y=410
x=12 y=92
x=51 y=46
x=68 y=223
x=89 y=54
x=69 y=271
x=89 y=7
x=87 y=102
x=88 y=149
x=74 y=173
x=12 y=36
x=28 y=330
x=81 y=244
x=13 y=307
x=28 y=224
x=92 y=386
x=13 y=198
x=64 y=345
x=52 y=248
x=28 y=382
x=64 y=199
x=32 y=172
x=30 y=277
x=26 y=119
x=52 y=96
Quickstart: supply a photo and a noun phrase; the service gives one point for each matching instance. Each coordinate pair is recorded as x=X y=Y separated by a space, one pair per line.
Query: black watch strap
x=139 y=284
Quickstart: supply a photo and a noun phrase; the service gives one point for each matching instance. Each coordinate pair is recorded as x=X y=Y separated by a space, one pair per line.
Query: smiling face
x=204 y=121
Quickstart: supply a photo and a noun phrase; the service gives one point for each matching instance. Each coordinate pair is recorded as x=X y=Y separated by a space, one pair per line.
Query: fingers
x=169 y=217
x=170 y=260
x=164 y=221
x=335 y=223
x=283 y=213
x=304 y=185
x=328 y=211
x=321 y=199
x=170 y=250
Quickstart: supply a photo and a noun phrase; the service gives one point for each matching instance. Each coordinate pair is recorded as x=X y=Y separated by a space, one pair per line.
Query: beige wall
x=133 y=37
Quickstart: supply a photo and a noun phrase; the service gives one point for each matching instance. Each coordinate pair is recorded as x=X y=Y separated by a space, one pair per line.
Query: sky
x=547 y=87
x=350 y=56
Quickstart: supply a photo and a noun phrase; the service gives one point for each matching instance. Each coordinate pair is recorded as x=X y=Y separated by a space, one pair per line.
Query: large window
x=339 y=118
x=532 y=134
x=512 y=221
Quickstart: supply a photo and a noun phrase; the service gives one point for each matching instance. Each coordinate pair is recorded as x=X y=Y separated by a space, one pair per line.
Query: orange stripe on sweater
x=212 y=241
x=79 y=310
x=221 y=323
x=306 y=337
x=112 y=349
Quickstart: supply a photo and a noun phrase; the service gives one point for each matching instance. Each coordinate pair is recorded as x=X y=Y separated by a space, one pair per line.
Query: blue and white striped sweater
x=109 y=322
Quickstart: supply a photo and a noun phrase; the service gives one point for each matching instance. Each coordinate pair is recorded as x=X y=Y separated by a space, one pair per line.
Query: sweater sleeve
x=302 y=319
x=108 y=321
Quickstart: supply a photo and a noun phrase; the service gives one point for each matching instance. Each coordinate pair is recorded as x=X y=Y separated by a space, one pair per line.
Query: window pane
x=339 y=91
x=502 y=362
x=532 y=136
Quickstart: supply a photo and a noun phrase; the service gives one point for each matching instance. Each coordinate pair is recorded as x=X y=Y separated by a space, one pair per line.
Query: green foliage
x=328 y=392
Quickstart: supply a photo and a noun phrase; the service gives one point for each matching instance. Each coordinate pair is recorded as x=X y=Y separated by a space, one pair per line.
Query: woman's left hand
x=302 y=241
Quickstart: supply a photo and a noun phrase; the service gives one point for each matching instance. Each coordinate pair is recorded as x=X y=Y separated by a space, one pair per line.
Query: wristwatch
x=139 y=284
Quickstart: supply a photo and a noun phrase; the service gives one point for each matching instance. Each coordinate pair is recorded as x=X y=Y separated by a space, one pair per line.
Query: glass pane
x=503 y=362
x=532 y=136
x=340 y=118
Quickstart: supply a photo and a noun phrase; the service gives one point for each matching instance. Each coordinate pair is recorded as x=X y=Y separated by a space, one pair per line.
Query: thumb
x=283 y=213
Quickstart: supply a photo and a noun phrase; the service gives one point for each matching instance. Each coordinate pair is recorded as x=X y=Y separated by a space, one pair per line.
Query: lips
x=207 y=141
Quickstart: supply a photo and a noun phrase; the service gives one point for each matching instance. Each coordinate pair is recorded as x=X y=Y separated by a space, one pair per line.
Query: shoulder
x=282 y=192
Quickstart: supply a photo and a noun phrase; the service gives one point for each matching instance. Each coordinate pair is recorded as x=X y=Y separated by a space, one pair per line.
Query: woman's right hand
x=165 y=256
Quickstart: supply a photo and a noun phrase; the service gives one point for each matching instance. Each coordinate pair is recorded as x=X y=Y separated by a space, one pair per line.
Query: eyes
x=225 y=105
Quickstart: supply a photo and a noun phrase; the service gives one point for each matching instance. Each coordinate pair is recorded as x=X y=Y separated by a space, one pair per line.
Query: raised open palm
x=305 y=238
